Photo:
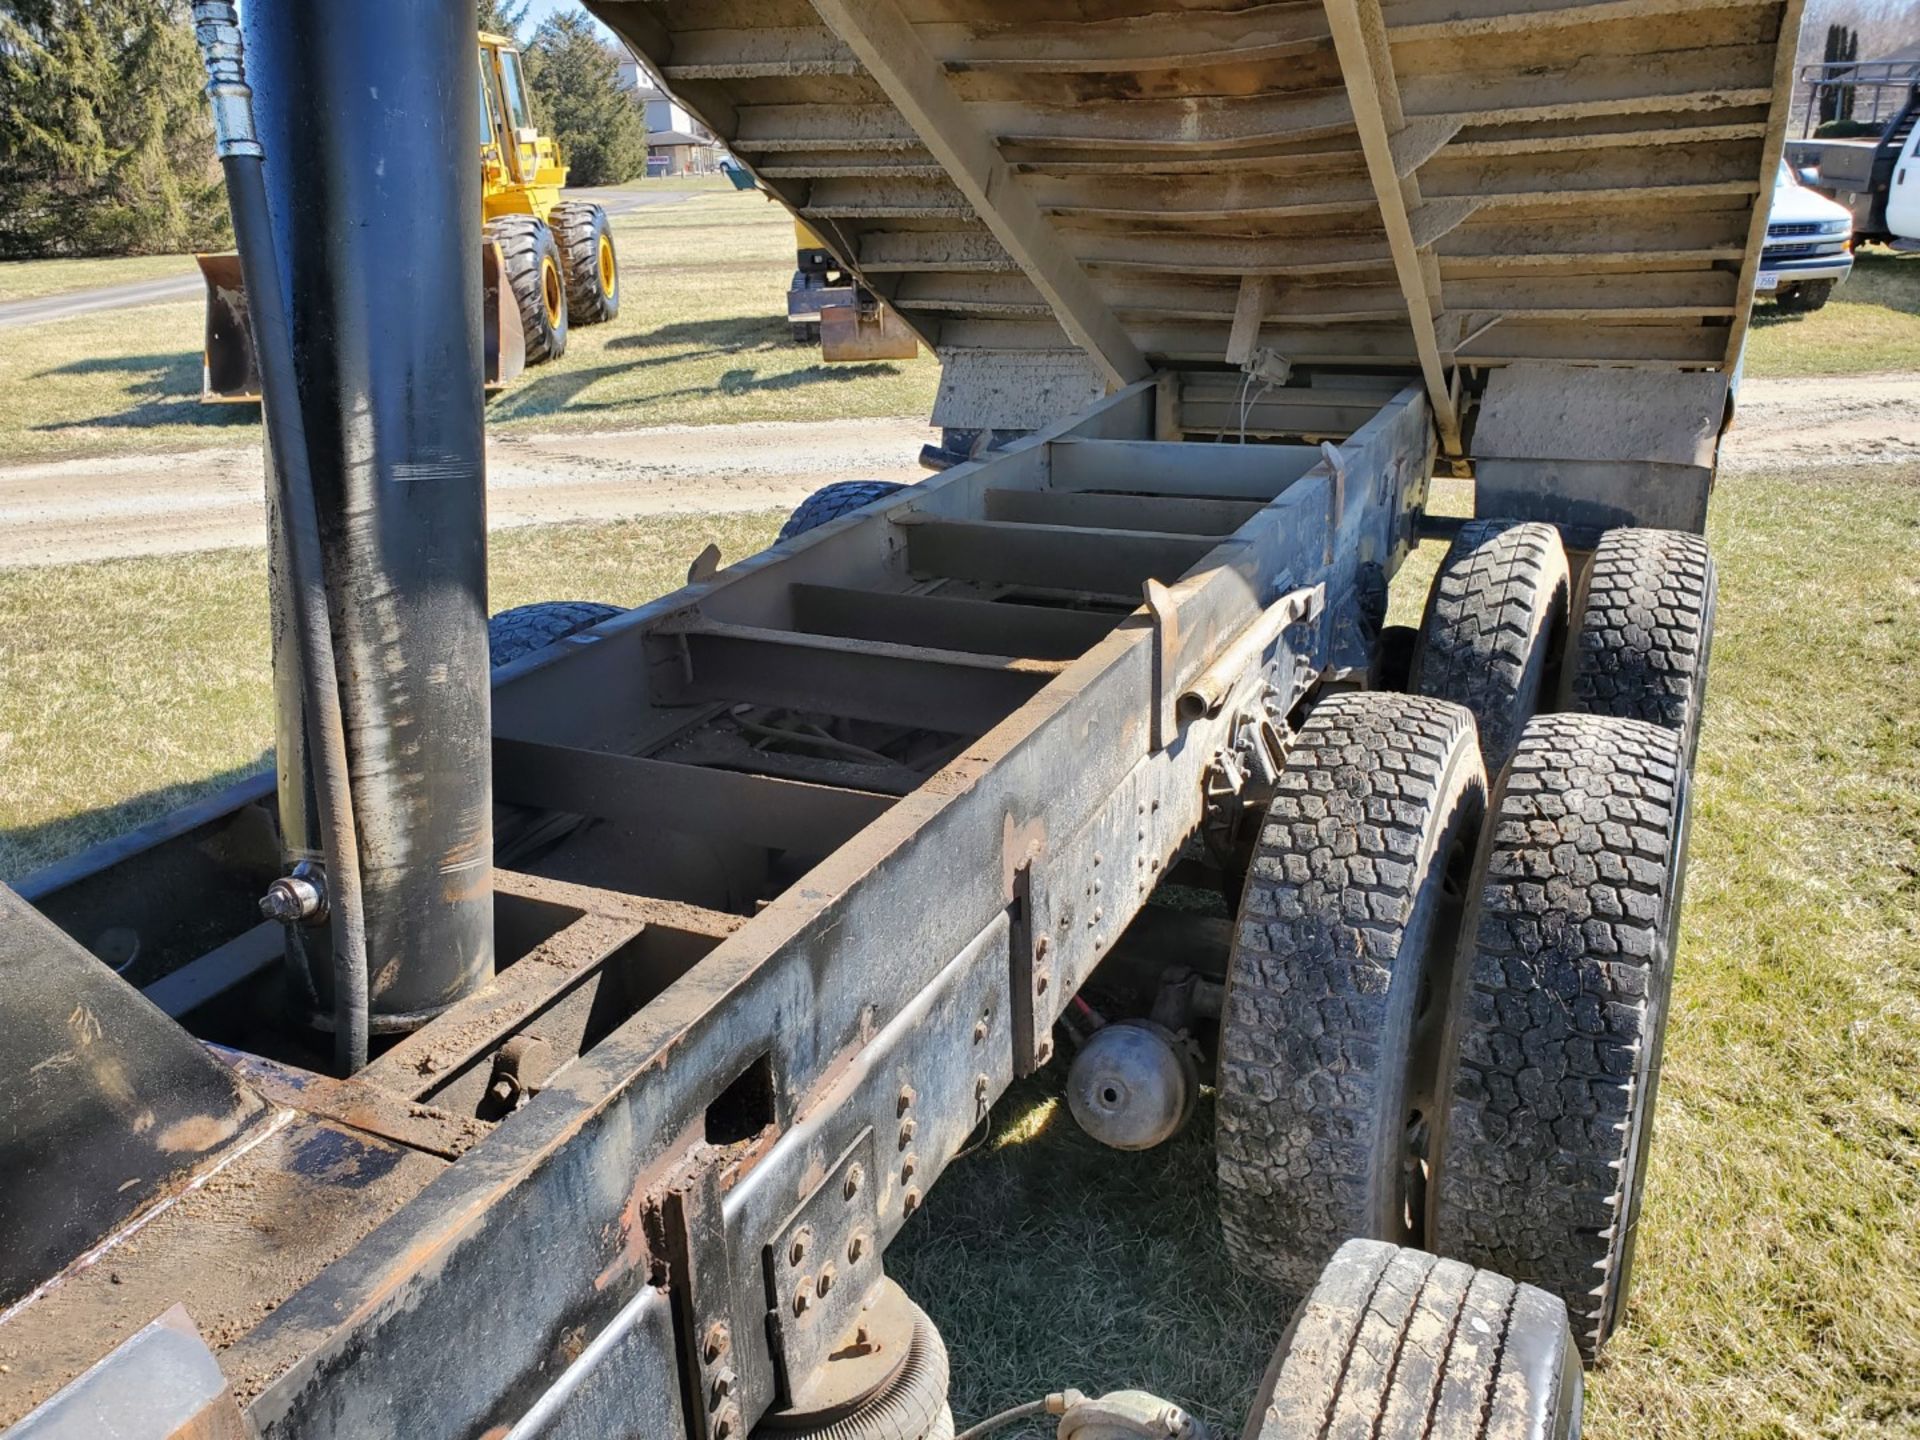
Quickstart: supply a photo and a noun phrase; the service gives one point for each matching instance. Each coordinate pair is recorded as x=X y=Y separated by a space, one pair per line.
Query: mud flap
x=856 y=332
x=229 y=372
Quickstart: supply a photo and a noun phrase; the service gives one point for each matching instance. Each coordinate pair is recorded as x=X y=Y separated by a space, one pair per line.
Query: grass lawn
x=31 y=279
x=701 y=339
x=1775 y=1297
x=156 y=671
x=1871 y=323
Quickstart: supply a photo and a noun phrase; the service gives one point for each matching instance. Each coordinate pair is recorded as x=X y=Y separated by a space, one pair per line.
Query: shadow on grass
x=1048 y=1260
x=744 y=332
x=163 y=389
x=25 y=849
x=561 y=393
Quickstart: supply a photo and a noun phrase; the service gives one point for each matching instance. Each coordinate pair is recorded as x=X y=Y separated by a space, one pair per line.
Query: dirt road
x=210 y=499
x=1820 y=421
x=69 y=510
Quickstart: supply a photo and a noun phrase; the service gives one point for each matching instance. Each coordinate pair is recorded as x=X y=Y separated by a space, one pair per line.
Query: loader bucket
x=228 y=371
x=855 y=332
x=506 y=337
x=229 y=374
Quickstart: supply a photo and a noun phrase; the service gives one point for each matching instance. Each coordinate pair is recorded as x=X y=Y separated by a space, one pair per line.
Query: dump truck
x=546 y=264
x=556 y=1038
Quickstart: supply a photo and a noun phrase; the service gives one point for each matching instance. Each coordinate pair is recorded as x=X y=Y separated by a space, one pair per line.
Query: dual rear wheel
x=1450 y=975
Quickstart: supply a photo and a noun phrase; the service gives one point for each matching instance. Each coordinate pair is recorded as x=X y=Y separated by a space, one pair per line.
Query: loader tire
x=1329 y=1031
x=1495 y=620
x=1551 y=1068
x=592 y=270
x=1645 y=631
x=830 y=502
x=1398 y=1345
x=527 y=628
x=536 y=274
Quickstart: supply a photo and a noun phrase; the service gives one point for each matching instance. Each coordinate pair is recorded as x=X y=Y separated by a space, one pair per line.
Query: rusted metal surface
x=927 y=956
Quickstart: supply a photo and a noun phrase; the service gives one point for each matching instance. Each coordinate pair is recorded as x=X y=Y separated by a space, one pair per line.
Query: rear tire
x=527 y=628
x=1329 y=1031
x=830 y=502
x=1550 y=1073
x=592 y=270
x=537 y=276
x=1645 y=632
x=1495 y=620
x=1397 y=1345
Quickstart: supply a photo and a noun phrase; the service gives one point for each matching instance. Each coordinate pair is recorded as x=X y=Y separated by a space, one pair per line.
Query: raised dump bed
x=771 y=887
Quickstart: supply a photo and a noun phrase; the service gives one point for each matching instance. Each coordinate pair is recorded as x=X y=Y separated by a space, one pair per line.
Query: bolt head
x=797 y=1251
x=905 y=1101
x=803 y=1296
x=716 y=1342
x=856 y=1247
x=856 y=1177
x=907 y=1131
x=910 y=1201
x=723 y=1382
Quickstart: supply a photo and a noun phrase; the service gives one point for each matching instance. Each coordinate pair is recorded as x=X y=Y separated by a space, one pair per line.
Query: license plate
x=1769 y=281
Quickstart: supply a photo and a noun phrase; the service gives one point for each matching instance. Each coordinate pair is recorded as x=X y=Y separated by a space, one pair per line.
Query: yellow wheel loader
x=546 y=263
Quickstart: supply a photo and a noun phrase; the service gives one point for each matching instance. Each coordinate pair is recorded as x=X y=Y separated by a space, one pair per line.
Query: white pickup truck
x=1809 y=247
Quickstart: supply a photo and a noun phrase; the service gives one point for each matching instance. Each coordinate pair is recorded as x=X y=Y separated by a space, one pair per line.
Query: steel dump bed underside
x=1431 y=183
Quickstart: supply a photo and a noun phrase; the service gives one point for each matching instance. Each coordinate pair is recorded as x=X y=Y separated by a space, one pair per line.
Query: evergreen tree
x=576 y=86
x=106 y=145
x=502 y=17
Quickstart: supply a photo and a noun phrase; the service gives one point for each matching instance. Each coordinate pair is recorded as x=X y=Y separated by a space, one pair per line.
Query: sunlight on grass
x=1871 y=323
x=1030 y=1124
x=701 y=339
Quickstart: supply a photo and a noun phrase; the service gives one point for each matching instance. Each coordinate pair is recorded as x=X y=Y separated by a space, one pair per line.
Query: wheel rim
x=607 y=271
x=551 y=294
x=1429 y=1025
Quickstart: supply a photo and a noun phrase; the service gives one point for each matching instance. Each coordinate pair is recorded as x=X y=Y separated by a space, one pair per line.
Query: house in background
x=677 y=144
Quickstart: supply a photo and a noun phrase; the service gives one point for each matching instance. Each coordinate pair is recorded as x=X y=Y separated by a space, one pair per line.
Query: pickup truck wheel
x=830 y=502
x=1397 y=1345
x=1806 y=296
x=1552 y=1064
x=1645 y=631
x=527 y=628
x=1329 y=1031
x=1494 y=625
